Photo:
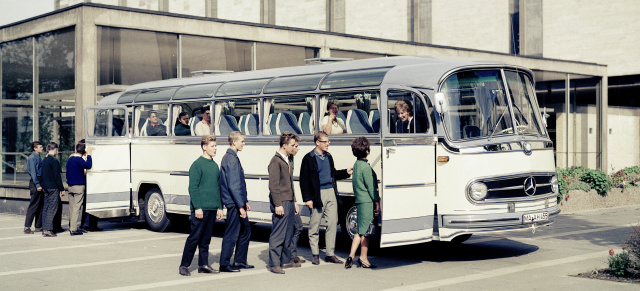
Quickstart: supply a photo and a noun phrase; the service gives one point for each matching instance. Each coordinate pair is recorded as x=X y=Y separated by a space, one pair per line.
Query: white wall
x=381 y=18
x=241 y=10
x=624 y=139
x=310 y=14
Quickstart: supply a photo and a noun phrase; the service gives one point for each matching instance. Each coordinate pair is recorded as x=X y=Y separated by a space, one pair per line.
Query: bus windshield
x=478 y=106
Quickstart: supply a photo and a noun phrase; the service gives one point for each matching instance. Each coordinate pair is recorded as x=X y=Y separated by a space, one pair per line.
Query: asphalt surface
x=127 y=256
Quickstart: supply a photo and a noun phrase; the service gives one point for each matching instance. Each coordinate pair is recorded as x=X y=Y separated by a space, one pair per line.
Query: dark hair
x=180 y=116
x=318 y=135
x=83 y=141
x=34 y=144
x=286 y=136
x=332 y=102
x=52 y=146
x=80 y=148
x=152 y=112
x=360 y=146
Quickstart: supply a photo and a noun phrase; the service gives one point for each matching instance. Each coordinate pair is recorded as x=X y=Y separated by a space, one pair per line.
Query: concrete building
x=584 y=54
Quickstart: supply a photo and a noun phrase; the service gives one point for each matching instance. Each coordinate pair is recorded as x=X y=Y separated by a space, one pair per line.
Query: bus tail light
x=478 y=191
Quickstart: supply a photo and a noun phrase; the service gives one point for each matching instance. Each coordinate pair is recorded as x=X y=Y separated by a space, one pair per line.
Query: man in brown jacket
x=283 y=203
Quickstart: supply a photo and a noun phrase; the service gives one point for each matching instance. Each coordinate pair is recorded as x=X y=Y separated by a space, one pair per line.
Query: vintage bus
x=475 y=158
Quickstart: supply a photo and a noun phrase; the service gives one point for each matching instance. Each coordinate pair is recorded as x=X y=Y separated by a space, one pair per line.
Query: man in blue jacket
x=76 y=165
x=234 y=198
x=34 y=168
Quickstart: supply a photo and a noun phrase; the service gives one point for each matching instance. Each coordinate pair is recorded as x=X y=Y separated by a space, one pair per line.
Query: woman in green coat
x=365 y=188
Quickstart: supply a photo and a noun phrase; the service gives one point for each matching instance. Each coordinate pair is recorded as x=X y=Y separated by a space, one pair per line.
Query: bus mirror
x=441 y=103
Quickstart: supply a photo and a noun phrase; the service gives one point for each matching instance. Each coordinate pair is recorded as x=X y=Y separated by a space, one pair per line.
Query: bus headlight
x=554 y=184
x=478 y=191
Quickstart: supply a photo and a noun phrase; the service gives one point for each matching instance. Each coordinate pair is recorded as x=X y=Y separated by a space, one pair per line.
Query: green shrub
x=579 y=185
x=618 y=263
x=627 y=177
x=598 y=181
x=633 y=245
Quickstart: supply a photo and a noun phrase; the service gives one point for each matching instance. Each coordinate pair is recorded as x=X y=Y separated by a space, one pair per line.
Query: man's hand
x=243 y=213
x=199 y=213
x=309 y=204
x=350 y=171
x=39 y=189
x=297 y=208
x=248 y=208
x=279 y=210
x=219 y=214
x=62 y=193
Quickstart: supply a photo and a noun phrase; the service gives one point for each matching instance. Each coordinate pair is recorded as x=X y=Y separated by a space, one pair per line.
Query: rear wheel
x=155 y=211
x=349 y=223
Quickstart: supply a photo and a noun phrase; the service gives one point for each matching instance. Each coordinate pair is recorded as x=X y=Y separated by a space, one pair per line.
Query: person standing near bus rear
x=318 y=177
x=283 y=204
x=53 y=188
x=206 y=207
x=34 y=168
x=204 y=126
x=234 y=197
x=76 y=166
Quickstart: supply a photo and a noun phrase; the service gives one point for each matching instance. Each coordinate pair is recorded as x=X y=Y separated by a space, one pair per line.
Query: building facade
x=55 y=65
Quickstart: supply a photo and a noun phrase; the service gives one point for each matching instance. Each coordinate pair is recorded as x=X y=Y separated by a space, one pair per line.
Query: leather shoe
x=276 y=270
x=57 y=230
x=38 y=229
x=299 y=260
x=27 y=230
x=184 y=271
x=228 y=269
x=316 y=260
x=291 y=264
x=242 y=266
x=77 y=232
x=49 y=233
x=207 y=269
x=333 y=259
x=95 y=228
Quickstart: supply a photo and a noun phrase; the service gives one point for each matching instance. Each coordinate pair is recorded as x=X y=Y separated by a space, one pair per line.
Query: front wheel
x=349 y=224
x=156 y=211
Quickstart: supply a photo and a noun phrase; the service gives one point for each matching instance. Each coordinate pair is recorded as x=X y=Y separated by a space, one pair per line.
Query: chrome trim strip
x=412 y=241
x=108 y=171
x=483 y=220
x=507 y=188
x=409 y=185
x=407 y=224
x=108 y=197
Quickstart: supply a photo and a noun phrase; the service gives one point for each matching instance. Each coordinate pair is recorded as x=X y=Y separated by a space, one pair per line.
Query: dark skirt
x=365 y=216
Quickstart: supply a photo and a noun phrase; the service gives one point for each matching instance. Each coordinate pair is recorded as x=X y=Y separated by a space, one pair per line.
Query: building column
x=531 y=28
x=567 y=109
x=35 y=90
x=86 y=34
x=420 y=20
x=268 y=11
x=603 y=127
x=211 y=8
x=336 y=16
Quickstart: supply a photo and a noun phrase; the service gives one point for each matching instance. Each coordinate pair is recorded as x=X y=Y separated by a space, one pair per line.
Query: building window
x=208 y=53
x=276 y=55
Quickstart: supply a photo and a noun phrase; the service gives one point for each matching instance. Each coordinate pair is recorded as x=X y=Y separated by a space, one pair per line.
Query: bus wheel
x=461 y=238
x=155 y=210
x=349 y=225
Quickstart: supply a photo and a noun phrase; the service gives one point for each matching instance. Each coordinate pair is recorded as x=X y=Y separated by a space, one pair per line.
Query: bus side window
x=152 y=119
x=407 y=113
x=101 y=123
x=117 y=123
x=237 y=115
x=292 y=113
x=355 y=112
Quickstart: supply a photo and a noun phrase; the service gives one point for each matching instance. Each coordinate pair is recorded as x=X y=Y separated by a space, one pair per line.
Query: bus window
x=407 y=113
x=237 y=115
x=100 y=120
x=292 y=113
x=187 y=117
x=355 y=112
x=118 y=124
x=152 y=120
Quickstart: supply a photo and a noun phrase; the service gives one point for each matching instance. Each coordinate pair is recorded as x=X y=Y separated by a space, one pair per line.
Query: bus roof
x=411 y=71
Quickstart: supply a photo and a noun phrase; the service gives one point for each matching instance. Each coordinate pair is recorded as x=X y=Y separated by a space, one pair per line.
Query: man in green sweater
x=206 y=207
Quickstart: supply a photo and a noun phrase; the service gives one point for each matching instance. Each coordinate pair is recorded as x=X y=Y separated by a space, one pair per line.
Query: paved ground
x=126 y=256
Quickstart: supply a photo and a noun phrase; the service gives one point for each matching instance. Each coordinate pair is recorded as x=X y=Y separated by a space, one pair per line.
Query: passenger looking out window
x=155 y=128
x=182 y=125
x=204 y=126
x=330 y=124
x=404 y=123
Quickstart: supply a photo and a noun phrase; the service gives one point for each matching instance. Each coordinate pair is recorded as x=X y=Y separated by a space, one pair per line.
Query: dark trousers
x=281 y=235
x=35 y=206
x=51 y=201
x=297 y=229
x=57 y=218
x=200 y=237
x=236 y=235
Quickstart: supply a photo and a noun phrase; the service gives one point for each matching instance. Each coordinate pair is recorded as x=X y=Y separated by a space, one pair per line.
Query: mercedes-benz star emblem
x=530 y=186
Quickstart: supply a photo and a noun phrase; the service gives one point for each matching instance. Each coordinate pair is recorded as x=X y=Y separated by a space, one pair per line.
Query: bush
x=633 y=245
x=629 y=176
x=598 y=181
x=579 y=185
x=619 y=263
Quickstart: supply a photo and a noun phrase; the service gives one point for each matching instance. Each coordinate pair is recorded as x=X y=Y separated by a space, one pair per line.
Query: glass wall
x=208 y=53
x=46 y=61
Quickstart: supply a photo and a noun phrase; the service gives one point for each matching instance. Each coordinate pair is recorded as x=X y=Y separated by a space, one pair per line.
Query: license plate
x=533 y=217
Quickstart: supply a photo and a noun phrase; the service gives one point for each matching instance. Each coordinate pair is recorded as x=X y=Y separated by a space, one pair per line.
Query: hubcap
x=352 y=221
x=156 y=207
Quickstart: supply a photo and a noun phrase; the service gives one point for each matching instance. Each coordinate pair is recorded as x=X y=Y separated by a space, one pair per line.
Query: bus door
x=408 y=168
x=109 y=179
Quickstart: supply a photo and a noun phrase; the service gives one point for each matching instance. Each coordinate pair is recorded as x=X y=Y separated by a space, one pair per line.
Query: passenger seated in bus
x=182 y=125
x=204 y=126
x=330 y=123
x=405 y=122
x=154 y=128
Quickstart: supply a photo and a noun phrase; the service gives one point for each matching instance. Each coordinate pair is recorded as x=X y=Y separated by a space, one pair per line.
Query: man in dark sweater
x=206 y=207
x=283 y=204
x=53 y=188
x=34 y=168
x=77 y=186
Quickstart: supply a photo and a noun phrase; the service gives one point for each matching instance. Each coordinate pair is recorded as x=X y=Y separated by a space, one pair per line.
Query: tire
x=349 y=223
x=155 y=211
x=461 y=238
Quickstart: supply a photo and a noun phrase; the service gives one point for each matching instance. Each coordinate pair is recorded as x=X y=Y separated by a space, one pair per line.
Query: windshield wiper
x=496 y=125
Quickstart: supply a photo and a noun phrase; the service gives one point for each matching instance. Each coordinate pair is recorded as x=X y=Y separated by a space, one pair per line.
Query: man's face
x=206 y=116
x=38 y=149
x=322 y=144
x=184 y=120
x=211 y=148
x=403 y=114
x=291 y=148
x=153 y=118
x=239 y=143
